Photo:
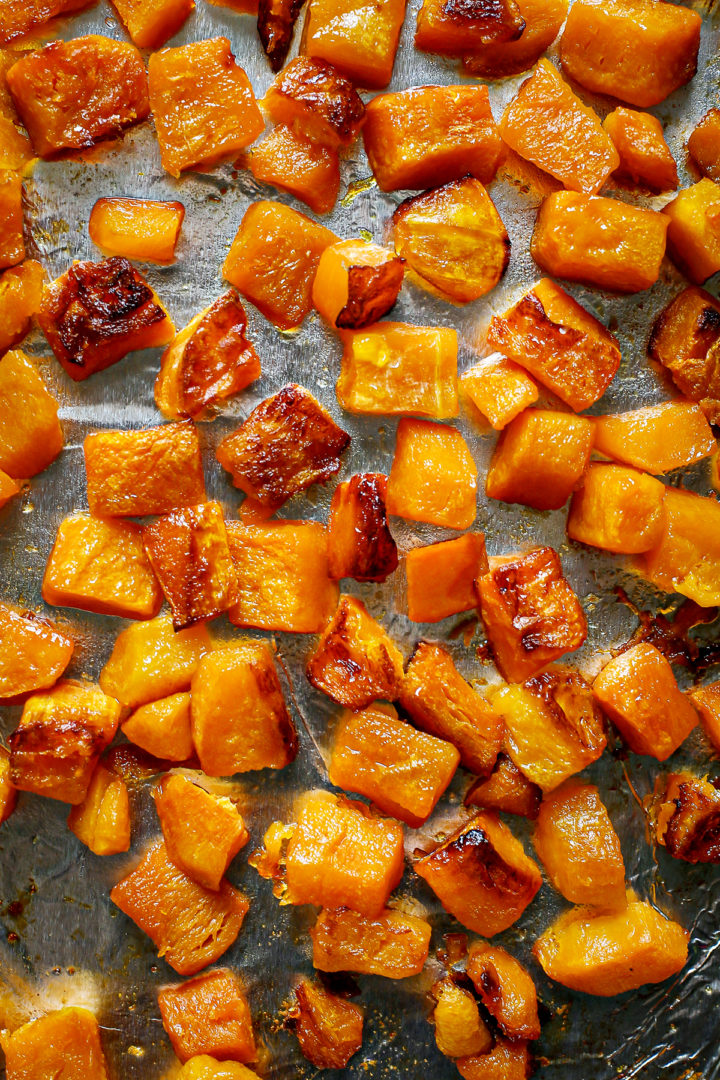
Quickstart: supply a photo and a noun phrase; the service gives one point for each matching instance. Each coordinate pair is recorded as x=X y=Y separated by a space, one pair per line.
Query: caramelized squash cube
x=509 y=1059
x=506 y=789
x=425 y=451
x=655 y=438
x=360 y=544
x=617 y=509
x=209 y=1015
x=704 y=144
x=329 y=1029
x=693 y=236
x=136 y=228
x=311 y=96
x=102 y=820
x=498 y=389
x=150 y=23
x=686 y=813
x=452 y=27
x=202 y=1066
x=459 y=1029
x=684 y=340
x=686 y=558
x=150 y=661
x=21 y=289
x=30 y=433
x=500 y=59
x=359 y=38
x=706 y=700
x=33 y=652
x=292 y=162
x=644 y=155
x=391 y=943
x=357 y=282
x=506 y=989
x=17 y=20
x=162 y=728
x=64 y=1043
x=441 y=577
x=12 y=241
x=8 y=791
x=275 y=23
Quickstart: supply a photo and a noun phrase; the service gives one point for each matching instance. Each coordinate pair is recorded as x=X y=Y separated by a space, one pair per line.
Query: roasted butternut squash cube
x=311 y=96
x=61 y=734
x=599 y=241
x=686 y=558
x=12 y=241
x=30 y=433
x=644 y=155
x=273 y=260
x=208 y=361
x=33 y=652
x=506 y=989
x=499 y=59
x=481 y=875
x=275 y=23
x=15 y=149
x=425 y=452
x=202 y=1066
x=693 y=236
x=72 y=94
x=240 y=721
x=8 y=488
x=391 y=943
x=150 y=23
x=706 y=700
x=64 y=1043
x=554 y=728
x=136 y=228
x=655 y=438
x=97 y=564
x=704 y=144
x=355 y=662
x=441 y=577
x=292 y=162
x=439 y=701
x=635 y=50
x=392 y=368
x=21 y=289
x=8 y=791
x=356 y=283
x=540 y=459
x=559 y=343
x=287 y=443
x=189 y=925
x=509 y=1059
x=150 y=661
x=162 y=728
x=530 y=612
x=611 y=953
x=102 y=820
x=506 y=789
x=17 y=20
x=203 y=105
x=209 y=1015
x=329 y=1028
x=685 y=814
x=617 y=509
x=684 y=340
x=498 y=389
x=360 y=544
x=459 y=1029
x=358 y=38
x=452 y=28
x=426 y=136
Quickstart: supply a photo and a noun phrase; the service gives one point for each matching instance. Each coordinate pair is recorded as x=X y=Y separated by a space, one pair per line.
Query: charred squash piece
x=686 y=558
x=18 y=19
x=150 y=661
x=64 y=1043
x=8 y=791
x=329 y=1028
x=209 y=1015
x=359 y=38
x=137 y=228
x=30 y=433
x=506 y=789
x=509 y=1059
x=655 y=438
x=9 y=488
x=190 y=926
x=355 y=662
x=644 y=155
x=59 y=739
x=693 y=236
x=72 y=94
x=481 y=875
x=162 y=728
x=313 y=97
x=150 y=23
x=287 y=443
x=391 y=943
x=12 y=241
x=686 y=817
x=685 y=340
x=102 y=820
x=204 y=1067
x=423 y=452
x=275 y=22
x=498 y=389
x=459 y=1029
x=454 y=27
x=441 y=577
x=21 y=289
x=500 y=59
x=704 y=144
x=506 y=989
x=617 y=509
x=240 y=720
x=706 y=700
x=356 y=283
x=360 y=544
x=292 y=162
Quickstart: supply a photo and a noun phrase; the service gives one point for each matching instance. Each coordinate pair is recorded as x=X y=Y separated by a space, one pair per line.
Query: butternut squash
x=645 y=158
x=209 y=1015
x=685 y=814
x=150 y=23
x=311 y=96
x=686 y=558
x=684 y=340
x=356 y=283
x=441 y=577
x=329 y=1028
x=102 y=820
x=617 y=509
x=459 y=1028
x=498 y=389
x=655 y=438
x=506 y=990
x=507 y=789
x=291 y=161
x=360 y=544
x=150 y=661
x=162 y=728
x=12 y=241
x=693 y=236
x=500 y=59
x=359 y=38
x=137 y=228
x=30 y=433
x=391 y=943
x=452 y=28
x=63 y=1043
x=33 y=652
x=704 y=144
x=21 y=289
x=423 y=452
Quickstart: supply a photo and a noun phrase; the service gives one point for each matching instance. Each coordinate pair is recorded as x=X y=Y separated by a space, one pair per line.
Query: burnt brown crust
x=372 y=291
x=499 y=20
x=276 y=22
x=217 y=355
x=373 y=555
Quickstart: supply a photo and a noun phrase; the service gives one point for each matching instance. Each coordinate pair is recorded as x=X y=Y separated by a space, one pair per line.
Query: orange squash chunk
x=97 y=564
x=102 y=820
x=531 y=614
x=684 y=340
x=151 y=22
x=30 y=433
x=644 y=155
x=686 y=558
x=540 y=459
x=203 y=105
x=402 y=771
x=71 y=94
x=459 y=1030
x=18 y=19
x=704 y=144
x=12 y=241
x=498 y=389
x=506 y=789
x=693 y=236
x=356 y=283
x=499 y=59
x=208 y=1015
x=424 y=452
x=635 y=50
x=8 y=792
x=150 y=661
x=656 y=438
x=609 y=954
x=685 y=816
x=453 y=240
x=328 y=1027
x=21 y=289
x=240 y=721
x=391 y=943
x=8 y=488
x=508 y=1060
x=452 y=27
x=360 y=544
x=292 y=162
x=441 y=577
x=599 y=241
x=60 y=737
x=706 y=700
x=481 y=875
x=355 y=662
x=359 y=38
x=561 y=344
x=547 y=124
x=439 y=701
x=311 y=96
x=617 y=509
x=162 y=728
x=506 y=989
x=189 y=925
x=392 y=368
x=428 y=135
x=202 y=1066
x=273 y=261
x=137 y=228
x=65 y=1043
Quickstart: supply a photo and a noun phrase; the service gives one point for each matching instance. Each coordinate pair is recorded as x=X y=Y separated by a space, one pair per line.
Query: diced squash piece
x=162 y=728
x=685 y=814
x=150 y=23
x=391 y=943
x=693 y=236
x=451 y=28
x=273 y=260
x=135 y=766
x=609 y=954
x=203 y=105
x=441 y=577
x=97 y=564
x=704 y=144
x=392 y=368
x=481 y=875
x=102 y=820
x=644 y=155
x=459 y=1029
x=554 y=728
x=440 y=702
x=72 y=94
x=287 y=443
x=508 y=1060
x=15 y=149
x=355 y=662
x=453 y=240
x=360 y=544
x=684 y=340
x=706 y=700
x=357 y=282
x=275 y=23
x=506 y=789
x=61 y=734
x=8 y=488
x=283 y=576
x=359 y=38
x=150 y=661
x=617 y=509
x=638 y=691
x=135 y=473
x=240 y=720
x=136 y=228
x=540 y=459
x=329 y=1028
x=559 y=343
x=499 y=59
x=189 y=925
x=656 y=438
x=506 y=989
x=33 y=652
x=686 y=558
x=18 y=19
x=425 y=451
x=63 y=1044
x=8 y=791
x=311 y=96
x=30 y=433
x=530 y=612
x=21 y=289
x=204 y=1067
x=547 y=124
x=292 y=162
x=208 y=1015
x=599 y=241
x=12 y=241
x=635 y=50
x=498 y=389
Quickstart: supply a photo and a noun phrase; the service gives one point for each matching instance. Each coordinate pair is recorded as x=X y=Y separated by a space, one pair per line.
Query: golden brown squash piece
x=655 y=438
x=498 y=389
x=150 y=661
x=311 y=96
x=102 y=820
x=33 y=652
x=359 y=38
x=12 y=241
x=693 y=236
x=424 y=451
x=209 y=1015
x=686 y=558
x=509 y=1059
x=136 y=228
x=617 y=509
x=30 y=433
x=685 y=816
x=453 y=27
x=162 y=728
x=357 y=282
x=645 y=158
x=506 y=990
x=684 y=340
x=506 y=789
x=21 y=289
x=291 y=161
x=704 y=144
x=19 y=17
x=500 y=59
x=459 y=1029
x=391 y=943
x=329 y=1028
x=441 y=577
x=150 y=23
x=706 y=700
x=360 y=544
x=15 y=149
x=63 y=1044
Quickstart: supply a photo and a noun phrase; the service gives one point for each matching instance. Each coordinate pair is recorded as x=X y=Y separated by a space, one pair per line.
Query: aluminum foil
x=62 y=940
